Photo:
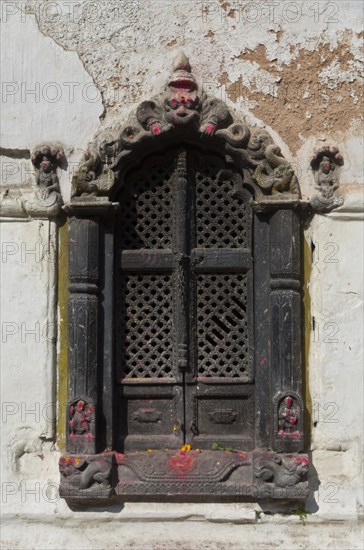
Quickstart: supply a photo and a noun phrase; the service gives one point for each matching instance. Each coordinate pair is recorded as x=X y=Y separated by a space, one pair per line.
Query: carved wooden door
x=184 y=320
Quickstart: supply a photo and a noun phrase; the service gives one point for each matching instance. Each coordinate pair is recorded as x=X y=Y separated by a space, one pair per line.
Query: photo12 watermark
x=73 y=12
x=268 y=12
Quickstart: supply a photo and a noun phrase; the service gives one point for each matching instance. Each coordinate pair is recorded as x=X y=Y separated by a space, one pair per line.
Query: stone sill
x=218 y=513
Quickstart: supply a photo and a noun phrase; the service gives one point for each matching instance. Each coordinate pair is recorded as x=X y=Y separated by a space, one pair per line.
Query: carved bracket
x=326 y=163
x=282 y=472
x=86 y=476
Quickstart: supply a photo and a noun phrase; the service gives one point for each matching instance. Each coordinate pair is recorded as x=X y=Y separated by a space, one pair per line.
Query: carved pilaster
x=84 y=473
x=285 y=331
x=83 y=331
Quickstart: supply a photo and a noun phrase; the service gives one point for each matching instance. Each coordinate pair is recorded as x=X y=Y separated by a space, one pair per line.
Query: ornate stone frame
x=90 y=469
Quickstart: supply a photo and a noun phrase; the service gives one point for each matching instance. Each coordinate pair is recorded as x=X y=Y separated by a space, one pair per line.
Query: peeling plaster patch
x=300 y=78
x=315 y=82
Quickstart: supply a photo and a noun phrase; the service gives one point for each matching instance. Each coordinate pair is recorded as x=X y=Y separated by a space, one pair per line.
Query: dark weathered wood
x=83 y=334
x=148 y=260
x=106 y=334
x=262 y=324
x=221 y=260
x=285 y=308
x=195 y=338
x=215 y=345
x=149 y=416
x=180 y=246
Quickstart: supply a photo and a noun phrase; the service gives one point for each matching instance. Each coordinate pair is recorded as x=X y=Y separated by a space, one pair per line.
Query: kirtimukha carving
x=182 y=104
x=326 y=164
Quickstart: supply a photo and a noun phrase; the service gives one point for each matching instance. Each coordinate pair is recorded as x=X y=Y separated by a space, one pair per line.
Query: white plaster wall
x=46 y=96
x=28 y=337
x=125 y=50
x=336 y=359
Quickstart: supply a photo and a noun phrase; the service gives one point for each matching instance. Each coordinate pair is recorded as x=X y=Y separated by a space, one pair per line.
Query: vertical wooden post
x=285 y=319
x=86 y=335
x=180 y=246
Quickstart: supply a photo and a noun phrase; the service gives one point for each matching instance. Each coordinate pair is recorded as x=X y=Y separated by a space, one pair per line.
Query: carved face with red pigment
x=326 y=166
x=182 y=103
x=288 y=401
x=80 y=405
x=181 y=108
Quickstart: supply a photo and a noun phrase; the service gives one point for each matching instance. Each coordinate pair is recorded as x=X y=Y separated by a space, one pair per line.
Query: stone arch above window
x=185 y=309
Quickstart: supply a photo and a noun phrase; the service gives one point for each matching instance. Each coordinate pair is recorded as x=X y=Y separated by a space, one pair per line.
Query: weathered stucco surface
x=292 y=66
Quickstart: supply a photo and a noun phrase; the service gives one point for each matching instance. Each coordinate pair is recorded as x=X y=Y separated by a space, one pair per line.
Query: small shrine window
x=185 y=360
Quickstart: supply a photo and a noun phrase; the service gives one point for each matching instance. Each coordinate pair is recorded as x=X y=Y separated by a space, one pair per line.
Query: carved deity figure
x=81 y=416
x=46 y=160
x=288 y=415
x=326 y=163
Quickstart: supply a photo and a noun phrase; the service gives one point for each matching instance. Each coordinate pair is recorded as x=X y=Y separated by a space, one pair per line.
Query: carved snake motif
x=276 y=174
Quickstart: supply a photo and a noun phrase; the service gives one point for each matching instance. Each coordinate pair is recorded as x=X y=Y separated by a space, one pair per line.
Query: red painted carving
x=288 y=415
x=80 y=419
x=183 y=104
x=46 y=160
x=182 y=462
x=326 y=163
x=282 y=471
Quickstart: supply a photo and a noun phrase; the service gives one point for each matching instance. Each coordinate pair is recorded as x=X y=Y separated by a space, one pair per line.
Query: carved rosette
x=183 y=108
x=326 y=164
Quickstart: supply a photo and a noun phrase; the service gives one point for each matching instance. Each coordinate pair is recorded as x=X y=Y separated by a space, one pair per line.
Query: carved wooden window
x=185 y=309
x=184 y=335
